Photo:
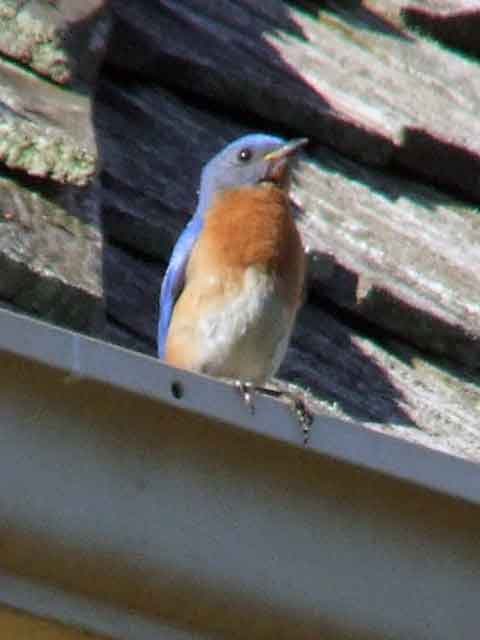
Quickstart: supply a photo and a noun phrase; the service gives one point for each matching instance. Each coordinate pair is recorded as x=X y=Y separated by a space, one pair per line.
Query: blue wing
x=174 y=279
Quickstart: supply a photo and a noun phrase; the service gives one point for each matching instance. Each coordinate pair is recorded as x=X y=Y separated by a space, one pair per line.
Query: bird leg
x=297 y=406
x=303 y=415
x=295 y=401
x=246 y=391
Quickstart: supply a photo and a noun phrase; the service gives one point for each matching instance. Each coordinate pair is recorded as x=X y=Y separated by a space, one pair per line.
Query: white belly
x=247 y=338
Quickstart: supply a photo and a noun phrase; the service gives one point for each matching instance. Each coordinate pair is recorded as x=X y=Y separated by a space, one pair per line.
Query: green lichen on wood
x=30 y=33
x=44 y=153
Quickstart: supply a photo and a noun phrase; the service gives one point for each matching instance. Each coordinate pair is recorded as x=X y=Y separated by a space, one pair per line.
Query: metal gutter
x=124 y=509
x=48 y=602
x=80 y=357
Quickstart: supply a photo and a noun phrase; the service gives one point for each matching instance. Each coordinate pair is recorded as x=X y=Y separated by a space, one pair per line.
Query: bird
x=235 y=279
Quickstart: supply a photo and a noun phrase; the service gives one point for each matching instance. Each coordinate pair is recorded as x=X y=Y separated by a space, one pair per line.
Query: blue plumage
x=224 y=320
x=221 y=172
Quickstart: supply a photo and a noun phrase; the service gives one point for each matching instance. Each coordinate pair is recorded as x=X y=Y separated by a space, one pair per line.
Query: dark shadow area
x=84 y=37
x=228 y=55
x=167 y=99
x=152 y=142
x=420 y=320
x=457 y=28
x=392 y=182
x=155 y=133
x=232 y=58
x=382 y=311
x=131 y=289
x=149 y=184
x=457 y=167
x=462 y=374
x=356 y=15
x=325 y=359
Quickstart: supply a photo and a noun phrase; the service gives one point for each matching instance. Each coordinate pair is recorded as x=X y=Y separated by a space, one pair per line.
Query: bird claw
x=296 y=403
x=303 y=415
x=246 y=391
x=297 y=406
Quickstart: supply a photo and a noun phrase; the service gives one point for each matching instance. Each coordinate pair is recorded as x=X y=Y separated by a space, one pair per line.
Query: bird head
x=250 y=160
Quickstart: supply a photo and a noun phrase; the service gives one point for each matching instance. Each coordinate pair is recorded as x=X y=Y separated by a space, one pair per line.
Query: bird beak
x=278 y=161
x=286 y=150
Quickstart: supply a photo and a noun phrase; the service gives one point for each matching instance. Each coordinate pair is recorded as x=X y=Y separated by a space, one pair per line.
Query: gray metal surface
x=112 y=489
x=83 y=357
x=49 y=602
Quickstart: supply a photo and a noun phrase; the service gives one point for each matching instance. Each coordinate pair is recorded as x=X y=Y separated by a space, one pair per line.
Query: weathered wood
x=46 y=36
x=44 y=130
x=131 y=292
x=30 y=35
x=150 y=177
x=453 y=22
x=390 y=251
x=382 y=98
x=391 y=386
x=49 y=260
x=50 y=239
x=385 y=385
x=400 y=254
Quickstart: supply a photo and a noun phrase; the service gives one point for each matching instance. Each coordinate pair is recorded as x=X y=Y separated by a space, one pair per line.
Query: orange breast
x=250 y=226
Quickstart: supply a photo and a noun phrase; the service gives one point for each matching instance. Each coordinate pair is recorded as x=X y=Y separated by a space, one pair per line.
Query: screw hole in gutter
x=177 y=390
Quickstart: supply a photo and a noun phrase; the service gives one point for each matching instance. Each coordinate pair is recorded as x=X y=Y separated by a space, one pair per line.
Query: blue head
x=248 y=161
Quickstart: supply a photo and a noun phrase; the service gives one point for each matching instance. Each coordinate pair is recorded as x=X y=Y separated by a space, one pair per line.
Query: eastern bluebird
x=235 y=278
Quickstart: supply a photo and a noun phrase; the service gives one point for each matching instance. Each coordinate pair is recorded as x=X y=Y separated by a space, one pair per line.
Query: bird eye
x=244 y=155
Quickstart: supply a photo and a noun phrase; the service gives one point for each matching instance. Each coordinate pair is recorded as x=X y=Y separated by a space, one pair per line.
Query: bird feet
x=303 y=415
x=298 y=408
x=296 y=403
x=246 y=390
